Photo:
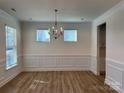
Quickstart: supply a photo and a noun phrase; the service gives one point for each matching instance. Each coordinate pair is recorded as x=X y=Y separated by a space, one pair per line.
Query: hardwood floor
x=56 y=82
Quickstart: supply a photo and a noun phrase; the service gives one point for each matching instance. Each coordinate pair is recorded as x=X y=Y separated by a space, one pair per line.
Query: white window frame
x=76 y=35
x=14 y=48
x=42 y=41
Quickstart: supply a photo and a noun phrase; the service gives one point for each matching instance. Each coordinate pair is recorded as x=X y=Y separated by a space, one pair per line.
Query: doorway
x=101 y=49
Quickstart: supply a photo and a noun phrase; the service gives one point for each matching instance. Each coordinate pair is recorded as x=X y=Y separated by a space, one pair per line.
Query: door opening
x=101 y=49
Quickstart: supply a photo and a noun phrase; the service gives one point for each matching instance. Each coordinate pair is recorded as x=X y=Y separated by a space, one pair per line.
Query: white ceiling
x=69 y=10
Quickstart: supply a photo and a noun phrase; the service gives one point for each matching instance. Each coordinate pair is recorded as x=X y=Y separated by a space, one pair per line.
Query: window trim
x=12 y=66
x=36 y=36
x=76 y=36
x=15 y=47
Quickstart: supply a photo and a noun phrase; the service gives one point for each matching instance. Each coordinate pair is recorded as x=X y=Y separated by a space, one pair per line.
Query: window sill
x=10 y=67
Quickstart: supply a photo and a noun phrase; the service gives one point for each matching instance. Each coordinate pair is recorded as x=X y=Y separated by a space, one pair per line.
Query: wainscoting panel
x=94 y=64
x=56 y=62
x=115 y=75
x=7 y=75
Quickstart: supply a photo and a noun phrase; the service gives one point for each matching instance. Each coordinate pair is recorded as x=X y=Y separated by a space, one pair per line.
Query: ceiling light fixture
x=56 y=31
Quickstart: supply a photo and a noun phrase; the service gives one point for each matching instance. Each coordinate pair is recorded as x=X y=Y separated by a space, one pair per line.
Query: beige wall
x=6 y=75
x=114 y=19
x=56 y=55
x=82 y=47
x=114 y=38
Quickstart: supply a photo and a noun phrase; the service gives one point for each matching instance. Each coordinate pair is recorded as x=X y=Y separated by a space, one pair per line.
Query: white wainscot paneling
x=56 y=62
x=94 y=64
x=115 y=75
x=7 y=75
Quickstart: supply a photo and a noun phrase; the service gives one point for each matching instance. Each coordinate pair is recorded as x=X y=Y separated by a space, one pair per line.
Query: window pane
x=10 y=37
x=11 y=57
x=43 y=35
x=70 y=35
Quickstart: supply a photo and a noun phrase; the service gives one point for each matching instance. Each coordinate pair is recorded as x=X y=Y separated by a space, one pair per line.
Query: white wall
x=6 y=75
x=60 y=55
x=114 y=19
x=56 y=49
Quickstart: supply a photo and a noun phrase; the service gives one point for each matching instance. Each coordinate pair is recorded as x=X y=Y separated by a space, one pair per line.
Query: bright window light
x=70 y=35
x=11 y=47
x=43 y=35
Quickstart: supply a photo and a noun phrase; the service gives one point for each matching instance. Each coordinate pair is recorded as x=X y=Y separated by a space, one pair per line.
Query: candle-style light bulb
x=61 y=29
x=53 y=27
x=56 y=30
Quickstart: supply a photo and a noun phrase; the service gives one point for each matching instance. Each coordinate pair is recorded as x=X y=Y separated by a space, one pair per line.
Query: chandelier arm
x=55 y=31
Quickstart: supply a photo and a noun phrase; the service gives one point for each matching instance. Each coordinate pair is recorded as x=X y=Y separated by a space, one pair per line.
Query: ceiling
x=69 y=10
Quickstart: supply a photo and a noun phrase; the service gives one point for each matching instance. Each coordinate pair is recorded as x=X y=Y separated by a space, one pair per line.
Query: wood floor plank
x=57 y=82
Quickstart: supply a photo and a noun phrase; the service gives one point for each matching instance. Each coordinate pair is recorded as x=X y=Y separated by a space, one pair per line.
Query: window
x=11 y=47
x=43 y=35
x=70 y=35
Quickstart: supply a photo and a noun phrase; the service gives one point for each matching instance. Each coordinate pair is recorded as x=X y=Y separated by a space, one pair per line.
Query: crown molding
x=110 y=12
x=6 y=15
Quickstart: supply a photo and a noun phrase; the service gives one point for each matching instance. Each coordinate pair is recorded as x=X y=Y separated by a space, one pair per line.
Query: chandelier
x=56 y=31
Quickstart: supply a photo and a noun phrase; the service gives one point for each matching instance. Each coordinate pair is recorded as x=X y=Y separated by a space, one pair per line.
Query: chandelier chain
x=56 y=31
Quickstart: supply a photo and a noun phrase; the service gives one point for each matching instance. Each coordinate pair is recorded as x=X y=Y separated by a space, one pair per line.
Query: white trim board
x=110 y=12
x=112 y=85
x=114 y=61
x=57 y=69
x=6 y=80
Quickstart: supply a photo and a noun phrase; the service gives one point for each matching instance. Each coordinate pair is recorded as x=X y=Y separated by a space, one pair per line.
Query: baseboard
x=114 y=86
x=94 y=71
x=6 y=80
x=57 y=69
